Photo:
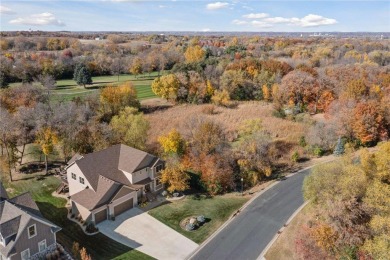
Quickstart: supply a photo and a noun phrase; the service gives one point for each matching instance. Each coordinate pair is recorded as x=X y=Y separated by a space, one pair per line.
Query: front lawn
x=217 y=210
x=98 y=246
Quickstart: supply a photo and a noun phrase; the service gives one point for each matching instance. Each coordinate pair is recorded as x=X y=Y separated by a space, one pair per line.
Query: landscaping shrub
x=91 y=228
x=201 y=219
x=190 y=227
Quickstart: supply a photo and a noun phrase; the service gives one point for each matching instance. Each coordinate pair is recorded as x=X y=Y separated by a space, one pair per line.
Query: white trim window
x=81 y=179
x=25 y=255
x=32 y=231
x=73 y=176
x=42 y=246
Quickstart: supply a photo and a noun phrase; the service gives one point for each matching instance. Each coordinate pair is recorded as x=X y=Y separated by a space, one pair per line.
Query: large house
x=24 y=233
x=106 y=183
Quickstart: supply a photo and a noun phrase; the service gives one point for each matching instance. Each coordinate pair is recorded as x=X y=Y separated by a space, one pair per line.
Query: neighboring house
x=106 y=183
x=24 y=233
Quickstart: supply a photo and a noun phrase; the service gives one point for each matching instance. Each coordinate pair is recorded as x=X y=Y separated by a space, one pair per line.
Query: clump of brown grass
x=209 y=109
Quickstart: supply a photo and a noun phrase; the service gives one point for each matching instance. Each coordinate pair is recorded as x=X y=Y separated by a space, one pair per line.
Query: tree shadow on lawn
x=98 y=246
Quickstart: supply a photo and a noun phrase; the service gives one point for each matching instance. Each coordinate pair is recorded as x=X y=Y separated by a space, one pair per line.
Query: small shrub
x=200 y=219
x=302 y=141
x=295 y=156
x=190 y=227
x=279 y=113
x=72 y=216
x=317 y=151
x=91 y=228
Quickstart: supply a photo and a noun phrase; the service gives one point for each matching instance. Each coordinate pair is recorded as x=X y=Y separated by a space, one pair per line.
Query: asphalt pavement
x=252 y=229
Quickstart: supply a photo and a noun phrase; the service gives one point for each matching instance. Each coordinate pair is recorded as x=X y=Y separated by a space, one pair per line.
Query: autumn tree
x=207 y=138
x=356 y=89
x=252 y=154
x=194 y=54
x=166 y=86
x=84 y=255
x=172 y=143
x=130 y=128
x=221 y=98
x=136 y=67
x=115 y=98
x=299 y=89
x=216 y=173
x=175 y=177
x=46 y=138
x=369 y=125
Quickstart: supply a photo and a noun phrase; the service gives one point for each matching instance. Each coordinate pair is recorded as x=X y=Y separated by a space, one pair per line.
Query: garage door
x=100 y=216
x=124 y=206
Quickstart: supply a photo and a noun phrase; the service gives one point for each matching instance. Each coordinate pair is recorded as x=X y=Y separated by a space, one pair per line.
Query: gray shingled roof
x=112 y=161
x=25 y=202
x=104 y=193
x=10 y=227
x=15 y=214
x=3 y=192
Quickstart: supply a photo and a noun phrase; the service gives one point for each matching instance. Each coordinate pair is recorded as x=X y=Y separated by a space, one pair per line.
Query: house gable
x=122 y=192
x=43 y=232
x=75 y=186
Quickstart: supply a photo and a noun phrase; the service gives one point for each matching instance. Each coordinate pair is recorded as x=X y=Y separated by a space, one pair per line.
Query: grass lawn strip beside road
x=98 y=246
x=284 y=246
x=217 y=209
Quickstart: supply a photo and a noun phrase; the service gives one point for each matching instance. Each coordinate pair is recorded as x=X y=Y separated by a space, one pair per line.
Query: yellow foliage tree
x=172 y=143
x=175 y=177
x=84 y=255
x=266 y=93
x=136 y=67
x=115 y=98
x=194 y=54
x=325 y=237
x=46 y=139
x=166 y=86
x=209 y=89
x=221 y=98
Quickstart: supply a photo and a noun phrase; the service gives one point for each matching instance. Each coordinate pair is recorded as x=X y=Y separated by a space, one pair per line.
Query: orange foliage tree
x=369 y=125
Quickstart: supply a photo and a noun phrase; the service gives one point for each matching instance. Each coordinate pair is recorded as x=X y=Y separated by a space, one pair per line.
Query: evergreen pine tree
x=81 y=75
x=339 y=149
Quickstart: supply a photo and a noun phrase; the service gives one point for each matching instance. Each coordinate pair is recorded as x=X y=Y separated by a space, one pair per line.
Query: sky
x=204 y=15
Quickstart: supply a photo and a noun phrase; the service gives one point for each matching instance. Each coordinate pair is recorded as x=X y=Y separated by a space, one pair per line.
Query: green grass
x=67 y=89
x=98 y=246
x=217 y=210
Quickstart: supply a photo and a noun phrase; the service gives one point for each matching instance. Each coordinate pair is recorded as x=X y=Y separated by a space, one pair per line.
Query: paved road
x=251 y=231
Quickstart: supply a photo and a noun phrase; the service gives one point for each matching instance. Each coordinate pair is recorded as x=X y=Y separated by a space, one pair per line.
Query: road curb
x=262 y=255
x=201 y=246
x=231 y=218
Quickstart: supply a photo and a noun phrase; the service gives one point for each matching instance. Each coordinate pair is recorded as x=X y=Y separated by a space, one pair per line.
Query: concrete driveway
x=139 y=230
